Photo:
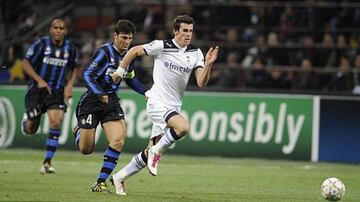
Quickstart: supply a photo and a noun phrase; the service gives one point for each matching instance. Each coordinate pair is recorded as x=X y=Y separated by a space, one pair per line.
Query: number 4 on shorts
x=89 y=119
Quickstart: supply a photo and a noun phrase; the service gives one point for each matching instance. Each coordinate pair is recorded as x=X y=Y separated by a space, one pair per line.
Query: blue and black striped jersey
x=97 y=75
x=51 y=62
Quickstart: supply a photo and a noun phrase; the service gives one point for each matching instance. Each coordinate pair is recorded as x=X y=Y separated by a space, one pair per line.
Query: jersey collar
x=57 y=45
x=177 y=45
x=117 y=50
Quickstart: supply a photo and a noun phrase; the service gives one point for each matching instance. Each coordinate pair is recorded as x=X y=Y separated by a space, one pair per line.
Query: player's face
x=122 y=41
x=58 y=30
x=184 y=34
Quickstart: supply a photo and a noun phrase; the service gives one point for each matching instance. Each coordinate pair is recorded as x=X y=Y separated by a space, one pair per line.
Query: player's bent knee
x=117 y=144
x=183 y=129
x=31 y=129
x=86 y=150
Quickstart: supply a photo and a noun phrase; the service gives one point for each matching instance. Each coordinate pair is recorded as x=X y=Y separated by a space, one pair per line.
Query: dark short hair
x=182 y=19
x=58 y=19
x=125 y=27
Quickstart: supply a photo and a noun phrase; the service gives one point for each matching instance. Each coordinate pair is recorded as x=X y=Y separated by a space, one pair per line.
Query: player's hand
x=115 y=77
x=212 y=54
x=44 y=84
x=104 y=99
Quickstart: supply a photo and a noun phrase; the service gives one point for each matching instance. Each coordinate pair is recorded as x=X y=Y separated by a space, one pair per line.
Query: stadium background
x=268 y=49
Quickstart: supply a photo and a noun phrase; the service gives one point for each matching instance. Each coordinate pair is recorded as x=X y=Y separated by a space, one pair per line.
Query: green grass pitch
x=180 y=178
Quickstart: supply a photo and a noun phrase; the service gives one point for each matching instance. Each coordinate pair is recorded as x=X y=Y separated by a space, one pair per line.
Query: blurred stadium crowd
x=288 y=46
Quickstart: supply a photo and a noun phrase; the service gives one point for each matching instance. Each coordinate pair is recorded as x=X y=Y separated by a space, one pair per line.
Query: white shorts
x=158 y=113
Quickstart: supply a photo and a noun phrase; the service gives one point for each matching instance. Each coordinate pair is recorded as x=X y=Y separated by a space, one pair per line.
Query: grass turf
x=181 y=178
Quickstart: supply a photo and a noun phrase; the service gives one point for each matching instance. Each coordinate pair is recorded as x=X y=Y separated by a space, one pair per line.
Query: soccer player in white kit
x=174 y=60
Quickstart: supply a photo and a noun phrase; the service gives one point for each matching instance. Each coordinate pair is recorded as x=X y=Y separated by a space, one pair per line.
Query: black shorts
x=90 y=111
x=38 y=101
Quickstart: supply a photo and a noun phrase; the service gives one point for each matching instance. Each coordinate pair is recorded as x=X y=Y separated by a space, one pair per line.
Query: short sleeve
x=33 y=52
x=199 y=59
x=154 y=48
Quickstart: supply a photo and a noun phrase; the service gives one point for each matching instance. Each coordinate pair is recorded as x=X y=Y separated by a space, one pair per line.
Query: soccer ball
x=332 y=189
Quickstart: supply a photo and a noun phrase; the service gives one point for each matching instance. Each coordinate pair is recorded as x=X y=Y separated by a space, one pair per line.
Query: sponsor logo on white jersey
x=177 y=67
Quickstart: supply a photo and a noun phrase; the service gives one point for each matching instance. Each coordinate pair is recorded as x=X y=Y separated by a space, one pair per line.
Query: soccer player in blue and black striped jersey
x=100 y=103
x=50 y=62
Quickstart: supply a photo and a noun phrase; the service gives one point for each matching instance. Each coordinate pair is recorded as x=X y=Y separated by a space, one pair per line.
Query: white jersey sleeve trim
x=200 y=62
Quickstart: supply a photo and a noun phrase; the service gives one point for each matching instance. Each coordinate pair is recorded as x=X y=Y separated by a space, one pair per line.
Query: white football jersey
x=172 y=69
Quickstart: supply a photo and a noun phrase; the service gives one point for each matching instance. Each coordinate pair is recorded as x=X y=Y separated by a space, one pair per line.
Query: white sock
x=165 y=141
x=136 y=164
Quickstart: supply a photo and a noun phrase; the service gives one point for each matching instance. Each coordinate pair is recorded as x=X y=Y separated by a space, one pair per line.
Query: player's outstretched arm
x=133 y=82
x=136 y=85
x=203 y=74
x=128 y=58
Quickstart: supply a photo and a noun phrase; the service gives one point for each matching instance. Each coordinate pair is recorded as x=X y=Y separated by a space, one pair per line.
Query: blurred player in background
x=50 y=62
x=100 y=102
x=174 y=60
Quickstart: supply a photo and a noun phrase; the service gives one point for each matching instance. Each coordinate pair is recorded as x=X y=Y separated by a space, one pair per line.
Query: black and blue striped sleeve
x=96 y=67
x=34 y=52
x=133 y=82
